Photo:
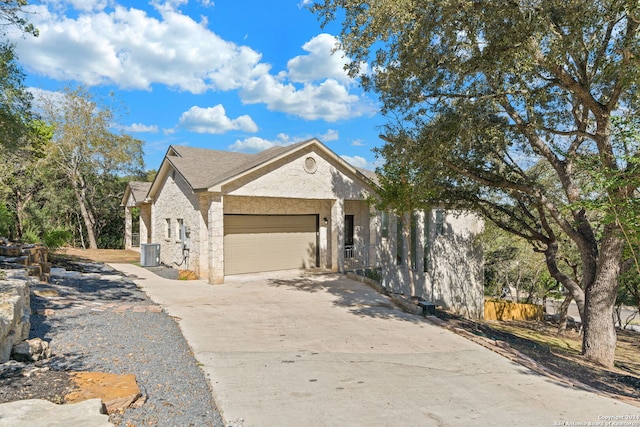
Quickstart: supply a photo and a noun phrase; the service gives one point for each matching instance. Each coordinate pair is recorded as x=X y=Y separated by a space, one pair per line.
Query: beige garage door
x=254 y=243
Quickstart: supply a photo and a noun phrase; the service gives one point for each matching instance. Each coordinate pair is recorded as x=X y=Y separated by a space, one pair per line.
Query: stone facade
x=177 y=205
x=310 y=180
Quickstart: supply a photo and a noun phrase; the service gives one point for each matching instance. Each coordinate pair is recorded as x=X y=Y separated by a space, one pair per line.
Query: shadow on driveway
x=360 y=299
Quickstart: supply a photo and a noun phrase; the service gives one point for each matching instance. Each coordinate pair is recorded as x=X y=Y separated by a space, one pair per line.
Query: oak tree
x=495 y=92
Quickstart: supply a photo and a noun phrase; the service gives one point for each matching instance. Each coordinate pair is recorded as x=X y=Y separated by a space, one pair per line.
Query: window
x=168 y=230
x=180 y=233
x=384 y=226
x=427 y=246
x=414 y=240
x=439 y=222
x=399 y=242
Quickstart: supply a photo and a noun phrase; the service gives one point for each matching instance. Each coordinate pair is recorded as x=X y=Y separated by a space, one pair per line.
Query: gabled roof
x=138 y=190
x=205 y=169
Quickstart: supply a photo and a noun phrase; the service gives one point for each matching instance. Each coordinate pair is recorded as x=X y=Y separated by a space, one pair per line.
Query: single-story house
x=301 y=206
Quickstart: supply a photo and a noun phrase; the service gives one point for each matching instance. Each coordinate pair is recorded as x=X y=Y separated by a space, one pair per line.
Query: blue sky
x=240 y=75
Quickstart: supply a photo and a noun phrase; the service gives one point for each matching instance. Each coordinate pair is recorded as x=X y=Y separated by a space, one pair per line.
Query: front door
x=348 y=236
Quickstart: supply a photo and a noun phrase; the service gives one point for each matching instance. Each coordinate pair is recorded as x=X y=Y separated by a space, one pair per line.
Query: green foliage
x=374 y=274
x=31 y=235
x=12 y=12
x=504 y=106
x=15 y=100
x=6 y=221
x=56 y=238
x=91 y=159
x=513 y=269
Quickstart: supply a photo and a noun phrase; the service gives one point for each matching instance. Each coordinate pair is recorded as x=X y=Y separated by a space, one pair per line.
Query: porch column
x=374 y=233
x=128 y=225
x=153 y=228
x=145 y=224
x=337 y=238
x=216 y=239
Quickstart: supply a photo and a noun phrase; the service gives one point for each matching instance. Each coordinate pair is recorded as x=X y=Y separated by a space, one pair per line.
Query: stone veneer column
x=374 y=238
x=128 y=225
x=337 y=238
x=216 y=239
x=152 y=225
x=145 y=224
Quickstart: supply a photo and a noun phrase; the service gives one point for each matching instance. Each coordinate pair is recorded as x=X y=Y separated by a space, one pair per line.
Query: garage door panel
x=260 y=224
x=255 y=243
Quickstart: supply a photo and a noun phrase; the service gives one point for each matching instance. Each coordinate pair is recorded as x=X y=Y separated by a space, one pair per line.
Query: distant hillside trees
x=90 y=158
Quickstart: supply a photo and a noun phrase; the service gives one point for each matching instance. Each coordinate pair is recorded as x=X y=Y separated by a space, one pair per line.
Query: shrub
x=56 y=238
x=6 y=221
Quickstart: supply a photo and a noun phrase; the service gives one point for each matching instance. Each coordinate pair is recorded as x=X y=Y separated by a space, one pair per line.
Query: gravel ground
x=100 y=321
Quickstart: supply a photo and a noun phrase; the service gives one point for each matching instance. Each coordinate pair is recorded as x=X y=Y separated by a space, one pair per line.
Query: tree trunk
x=21 y=205
x=574 y=288
x=599 y=339
x=564 y=309
x=87 y=217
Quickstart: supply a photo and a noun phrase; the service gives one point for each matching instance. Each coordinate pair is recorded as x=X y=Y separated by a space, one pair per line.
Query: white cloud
x=133 y=50
x=330 y=135
x=329 y=100
x=255 y=144
x=214 y=120
x=103 y=43
x=80 y=5
x=357 y=143
x=357 y=161
x=140 y=128
x=321 y=63
x=41 y=95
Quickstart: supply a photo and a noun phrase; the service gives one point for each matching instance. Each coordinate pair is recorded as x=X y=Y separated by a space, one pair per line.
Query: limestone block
x=117 y=392
x=57 y=272
x=29 y=413
x=15 y=311
x=31 y=350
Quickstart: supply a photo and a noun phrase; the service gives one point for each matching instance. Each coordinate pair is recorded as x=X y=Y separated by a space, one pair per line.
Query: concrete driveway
x=289 y=349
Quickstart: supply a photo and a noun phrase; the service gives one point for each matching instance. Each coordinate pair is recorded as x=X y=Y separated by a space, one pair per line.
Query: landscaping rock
x=22 y=413
x=31 y=350
x=117 y=392
x=14 y=315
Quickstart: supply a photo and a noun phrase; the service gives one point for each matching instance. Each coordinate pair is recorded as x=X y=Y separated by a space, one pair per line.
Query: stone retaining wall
x=15 y=310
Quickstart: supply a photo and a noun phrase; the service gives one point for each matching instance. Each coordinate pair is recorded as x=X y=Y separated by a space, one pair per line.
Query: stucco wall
x=453 y=277
x=288 y=178
x=456 y=267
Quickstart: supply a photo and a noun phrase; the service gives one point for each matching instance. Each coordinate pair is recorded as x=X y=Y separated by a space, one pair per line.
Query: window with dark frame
x=427 y=242
x=439 y=222
x=414 y=240
x=180 y=222
x=384 y=225
x=399 y=242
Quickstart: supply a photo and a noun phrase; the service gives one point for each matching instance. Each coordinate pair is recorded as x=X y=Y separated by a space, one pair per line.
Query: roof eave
x=217 y=187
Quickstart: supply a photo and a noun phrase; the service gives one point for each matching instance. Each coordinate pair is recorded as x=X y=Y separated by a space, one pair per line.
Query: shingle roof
x=139 y=190
x=371 y=175
x=204 y=168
